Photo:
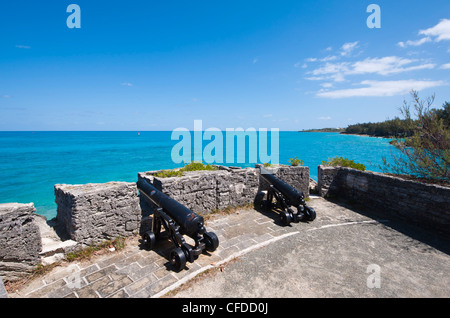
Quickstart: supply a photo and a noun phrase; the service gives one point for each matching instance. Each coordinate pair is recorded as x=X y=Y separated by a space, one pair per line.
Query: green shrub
x=343 y=162
x=193 y=166
x=267 y=165
x=197 y=165
x=295 y=162
x=425 y=154
x=169 y=173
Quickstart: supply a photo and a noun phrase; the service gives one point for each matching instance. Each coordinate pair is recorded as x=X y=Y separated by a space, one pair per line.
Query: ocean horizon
x=32 y=162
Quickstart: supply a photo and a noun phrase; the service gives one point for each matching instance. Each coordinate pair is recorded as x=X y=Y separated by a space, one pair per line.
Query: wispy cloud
x=126 y=84
x=437 y=33
x=23 y=47
x=414 y=43
x=445 y=66
x=347 y=48
x=382 y=66
x=440 y=31
x=6 y=96
x=324 y=118
x=381 y=88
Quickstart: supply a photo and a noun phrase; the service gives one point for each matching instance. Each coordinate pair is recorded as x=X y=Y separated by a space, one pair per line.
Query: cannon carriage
x=286 y=197
x=177 y=220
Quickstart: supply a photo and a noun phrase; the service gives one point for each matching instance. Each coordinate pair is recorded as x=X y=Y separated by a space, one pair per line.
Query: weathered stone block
x=93 y=212
x=20 y=240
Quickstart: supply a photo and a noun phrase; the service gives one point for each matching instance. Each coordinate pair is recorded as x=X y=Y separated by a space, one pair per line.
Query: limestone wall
x=206 y=191
x=20 y=241
x=97 y=211
x=421 y=204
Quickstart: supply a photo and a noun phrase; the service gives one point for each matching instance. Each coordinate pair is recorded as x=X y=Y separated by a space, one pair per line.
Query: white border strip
x=217 y=264
x=348 y=223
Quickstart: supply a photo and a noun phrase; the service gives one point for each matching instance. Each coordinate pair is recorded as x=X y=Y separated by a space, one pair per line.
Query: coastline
x=325 y=130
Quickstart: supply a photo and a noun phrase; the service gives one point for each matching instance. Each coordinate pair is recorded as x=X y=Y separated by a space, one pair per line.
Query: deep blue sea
x=32 y=162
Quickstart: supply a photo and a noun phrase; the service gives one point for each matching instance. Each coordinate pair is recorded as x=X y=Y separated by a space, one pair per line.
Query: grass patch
x=344 y=162
x=193 y=166
x=86 y=253
x=296 y=162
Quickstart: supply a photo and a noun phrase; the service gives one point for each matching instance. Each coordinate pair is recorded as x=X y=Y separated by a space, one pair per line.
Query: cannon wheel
x=285 y=217
x=178 y=258
x=311 y=214
x=149 y=239
x=211 y=241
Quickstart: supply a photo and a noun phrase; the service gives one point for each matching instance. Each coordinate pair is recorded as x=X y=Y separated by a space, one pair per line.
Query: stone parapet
x=20 y=240
x=98 y=211
x=425 y=205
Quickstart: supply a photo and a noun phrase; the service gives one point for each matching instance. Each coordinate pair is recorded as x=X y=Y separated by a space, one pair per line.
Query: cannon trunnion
x=286 y=196
x=177 y=220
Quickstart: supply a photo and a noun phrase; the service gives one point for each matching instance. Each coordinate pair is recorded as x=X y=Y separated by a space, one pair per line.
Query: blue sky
x=159 y=65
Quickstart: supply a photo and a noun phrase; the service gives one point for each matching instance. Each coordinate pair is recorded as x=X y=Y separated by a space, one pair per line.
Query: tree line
x=397 y=127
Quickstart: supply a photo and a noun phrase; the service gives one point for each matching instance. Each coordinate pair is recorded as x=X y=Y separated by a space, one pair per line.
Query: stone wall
x=417 y=203
x=94 y=212
x=206 y=191
x=20 y=240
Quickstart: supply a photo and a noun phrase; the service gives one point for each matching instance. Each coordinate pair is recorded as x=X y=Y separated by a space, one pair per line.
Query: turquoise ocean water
x=31 y=163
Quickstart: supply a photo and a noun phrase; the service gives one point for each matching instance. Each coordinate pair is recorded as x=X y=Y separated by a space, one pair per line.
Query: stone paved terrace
x=328 y=257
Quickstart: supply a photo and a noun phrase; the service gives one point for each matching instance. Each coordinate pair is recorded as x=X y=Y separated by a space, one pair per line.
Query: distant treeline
x=394 y=127
x=390 y=128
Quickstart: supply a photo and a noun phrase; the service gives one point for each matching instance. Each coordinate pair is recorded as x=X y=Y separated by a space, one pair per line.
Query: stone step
x=50 y=247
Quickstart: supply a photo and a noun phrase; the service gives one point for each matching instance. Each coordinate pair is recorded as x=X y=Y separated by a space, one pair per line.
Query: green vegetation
x=343 y=162
x=400 y=128
x=267 y=165
x=296 y=162
x=324 y=130
x=193 y=166
x=390 y=128
x=425 y=153
x=118 y=243
x=169 y=173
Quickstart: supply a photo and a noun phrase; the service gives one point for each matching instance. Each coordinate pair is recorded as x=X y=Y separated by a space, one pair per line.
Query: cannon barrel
x=190 y=223
x=294 y=196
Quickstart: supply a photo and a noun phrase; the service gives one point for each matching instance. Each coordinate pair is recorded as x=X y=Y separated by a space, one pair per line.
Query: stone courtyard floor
x=342 y=253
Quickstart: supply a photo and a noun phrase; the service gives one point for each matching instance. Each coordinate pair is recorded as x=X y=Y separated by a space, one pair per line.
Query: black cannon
x=286 y=196
x=177 y=221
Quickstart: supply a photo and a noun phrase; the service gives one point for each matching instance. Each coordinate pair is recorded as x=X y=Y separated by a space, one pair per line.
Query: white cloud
x=445 y=66
x=267 y=115
x=255 y=60
x=347 y=48
x=382 y=66
x=414 y=43
x=386 y=66
x=441 y=31
x=324 y=118
x=23 y=47
x=329 y=58
x=381 y=88
x=126 y=84
x=6 y=96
